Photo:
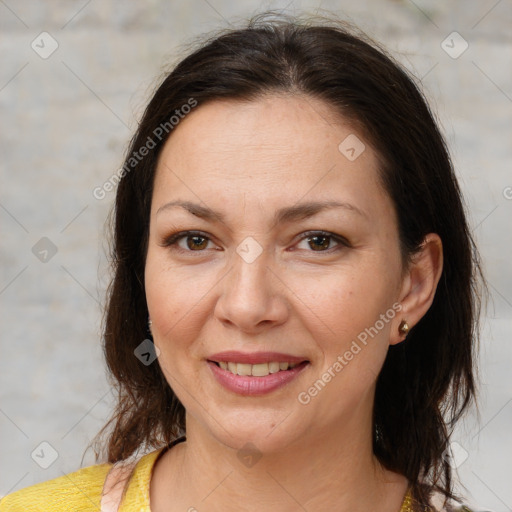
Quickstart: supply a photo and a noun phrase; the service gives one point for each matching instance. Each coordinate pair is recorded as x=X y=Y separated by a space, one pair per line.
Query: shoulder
x=79 y=491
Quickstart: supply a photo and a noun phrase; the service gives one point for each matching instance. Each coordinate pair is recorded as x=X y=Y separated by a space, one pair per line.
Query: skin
x=309 y=299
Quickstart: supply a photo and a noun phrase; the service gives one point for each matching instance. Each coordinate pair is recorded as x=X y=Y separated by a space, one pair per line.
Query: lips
x=253 y=385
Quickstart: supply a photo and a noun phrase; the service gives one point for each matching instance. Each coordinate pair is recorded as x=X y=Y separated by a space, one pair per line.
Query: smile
x=256 y=370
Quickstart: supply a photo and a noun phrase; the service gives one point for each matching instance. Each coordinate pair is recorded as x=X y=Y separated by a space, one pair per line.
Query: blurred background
x=74 y=78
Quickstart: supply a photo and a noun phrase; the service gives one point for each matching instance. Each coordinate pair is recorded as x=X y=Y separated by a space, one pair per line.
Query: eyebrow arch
x=288 y=214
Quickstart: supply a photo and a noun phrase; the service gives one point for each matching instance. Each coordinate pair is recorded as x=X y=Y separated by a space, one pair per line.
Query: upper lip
x=234 y=356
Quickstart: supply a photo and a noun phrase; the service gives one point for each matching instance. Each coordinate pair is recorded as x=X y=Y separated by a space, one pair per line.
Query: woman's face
x=258 y=274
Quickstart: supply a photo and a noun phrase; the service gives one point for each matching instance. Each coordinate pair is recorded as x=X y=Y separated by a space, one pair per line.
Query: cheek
x=177 y=301
x=347 y=301
x=354 y=342
x=162 y=292
x=353 y=311
x=168 y=305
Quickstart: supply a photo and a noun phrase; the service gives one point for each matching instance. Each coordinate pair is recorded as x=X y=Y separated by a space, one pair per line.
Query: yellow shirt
x=81 y=491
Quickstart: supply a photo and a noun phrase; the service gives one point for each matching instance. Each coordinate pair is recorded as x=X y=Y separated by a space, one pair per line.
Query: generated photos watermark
x=305 y=397
x=159 y=133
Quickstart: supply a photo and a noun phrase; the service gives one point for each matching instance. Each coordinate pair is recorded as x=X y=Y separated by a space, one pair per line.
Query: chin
x=266 y=435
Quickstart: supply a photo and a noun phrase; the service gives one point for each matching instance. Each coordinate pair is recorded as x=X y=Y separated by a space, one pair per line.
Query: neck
x=327 y=473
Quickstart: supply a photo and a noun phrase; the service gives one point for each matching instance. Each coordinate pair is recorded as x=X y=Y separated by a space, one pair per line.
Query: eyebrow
x=296 y=212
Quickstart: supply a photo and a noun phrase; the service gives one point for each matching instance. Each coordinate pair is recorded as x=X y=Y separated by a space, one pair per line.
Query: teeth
x=256 y=370
x=243 y=369
x=273 y=367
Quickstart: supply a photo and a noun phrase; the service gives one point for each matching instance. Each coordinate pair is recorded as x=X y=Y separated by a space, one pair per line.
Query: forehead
x=275 y=125
x=275 y=149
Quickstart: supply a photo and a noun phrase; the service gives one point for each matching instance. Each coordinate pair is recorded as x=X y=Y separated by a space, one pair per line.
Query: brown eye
x=194 y=241
x=320 y=241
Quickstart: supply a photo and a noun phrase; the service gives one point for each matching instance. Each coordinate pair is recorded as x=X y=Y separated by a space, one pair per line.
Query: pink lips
x=248 y=385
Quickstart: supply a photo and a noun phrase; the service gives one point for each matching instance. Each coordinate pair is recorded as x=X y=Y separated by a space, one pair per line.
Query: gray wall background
x=66 y=120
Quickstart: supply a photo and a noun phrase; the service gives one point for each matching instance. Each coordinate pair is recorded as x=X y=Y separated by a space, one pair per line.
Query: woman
x=293 y=314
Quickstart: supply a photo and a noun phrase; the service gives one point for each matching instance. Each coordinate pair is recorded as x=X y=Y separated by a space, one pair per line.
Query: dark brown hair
x=427 y=381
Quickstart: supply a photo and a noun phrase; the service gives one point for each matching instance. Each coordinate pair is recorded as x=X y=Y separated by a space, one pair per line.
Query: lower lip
x=247 y=385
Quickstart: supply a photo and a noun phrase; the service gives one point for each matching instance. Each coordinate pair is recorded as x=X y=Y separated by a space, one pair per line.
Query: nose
x=252 y=296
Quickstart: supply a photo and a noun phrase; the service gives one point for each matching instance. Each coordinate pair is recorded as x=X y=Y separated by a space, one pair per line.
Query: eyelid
x=173 y=238
x=320 y=232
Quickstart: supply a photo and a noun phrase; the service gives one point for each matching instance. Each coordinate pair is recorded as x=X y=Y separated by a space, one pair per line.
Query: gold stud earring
x=403 y=328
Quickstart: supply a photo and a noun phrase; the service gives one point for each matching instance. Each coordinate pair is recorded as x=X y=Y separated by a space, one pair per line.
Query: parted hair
x=427 y=381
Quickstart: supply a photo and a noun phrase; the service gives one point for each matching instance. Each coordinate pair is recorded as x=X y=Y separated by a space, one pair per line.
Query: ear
x=419 y=285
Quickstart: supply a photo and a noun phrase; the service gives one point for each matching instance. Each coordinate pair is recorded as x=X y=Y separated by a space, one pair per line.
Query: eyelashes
x=172 y=240
x=200 y=240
